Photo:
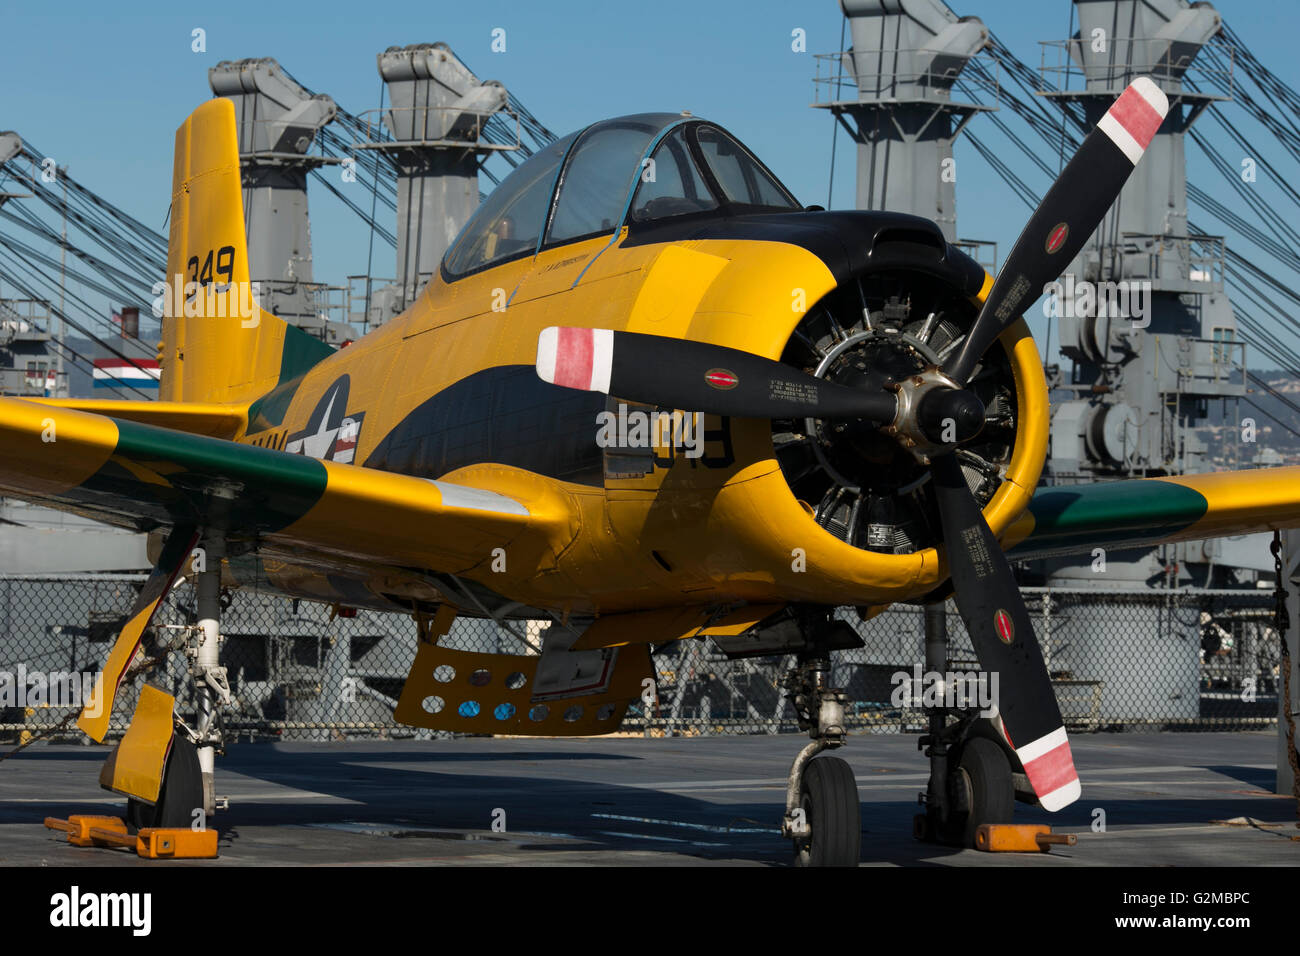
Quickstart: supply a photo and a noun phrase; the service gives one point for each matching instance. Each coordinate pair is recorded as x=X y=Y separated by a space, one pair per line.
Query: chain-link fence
x=1118 y=659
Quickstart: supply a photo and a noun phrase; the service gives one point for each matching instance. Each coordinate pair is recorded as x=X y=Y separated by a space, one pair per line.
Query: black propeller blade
x=698 y=377
x=1003 y=637
x=1067 y=216
x=985 y=589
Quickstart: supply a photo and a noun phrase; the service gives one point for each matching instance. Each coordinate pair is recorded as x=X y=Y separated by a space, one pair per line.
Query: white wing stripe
x=476 y=499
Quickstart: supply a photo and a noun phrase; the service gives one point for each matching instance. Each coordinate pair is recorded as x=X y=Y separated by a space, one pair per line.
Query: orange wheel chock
x=79 y=825
x=182 y=844
x=1020 y=838
x=151 y=843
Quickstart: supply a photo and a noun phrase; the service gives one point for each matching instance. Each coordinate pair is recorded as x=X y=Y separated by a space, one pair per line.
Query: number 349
x=202 y=275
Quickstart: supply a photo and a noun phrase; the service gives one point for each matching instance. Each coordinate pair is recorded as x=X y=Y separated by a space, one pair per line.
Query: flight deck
x=1168 y=800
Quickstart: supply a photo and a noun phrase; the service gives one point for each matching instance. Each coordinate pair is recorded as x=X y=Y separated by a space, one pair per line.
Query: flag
x=137 y=373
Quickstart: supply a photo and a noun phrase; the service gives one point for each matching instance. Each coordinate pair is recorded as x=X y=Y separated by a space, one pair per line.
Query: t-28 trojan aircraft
x=648 y=397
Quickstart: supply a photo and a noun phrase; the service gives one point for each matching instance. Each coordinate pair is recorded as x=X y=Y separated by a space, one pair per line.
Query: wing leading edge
x=200 y=418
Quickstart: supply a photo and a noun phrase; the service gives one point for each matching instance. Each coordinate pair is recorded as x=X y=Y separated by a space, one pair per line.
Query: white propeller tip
x=1061 y=797
x=547 y=346
x=1153 y=94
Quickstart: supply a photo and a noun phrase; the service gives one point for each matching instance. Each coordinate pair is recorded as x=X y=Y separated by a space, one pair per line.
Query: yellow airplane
x=648 y=397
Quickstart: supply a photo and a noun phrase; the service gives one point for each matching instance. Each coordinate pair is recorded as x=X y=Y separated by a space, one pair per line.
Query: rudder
x=218 y=345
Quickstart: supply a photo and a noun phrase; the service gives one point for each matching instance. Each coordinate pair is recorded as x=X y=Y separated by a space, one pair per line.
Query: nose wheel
x=981 y=789
x=823 y=818
x=828 y=799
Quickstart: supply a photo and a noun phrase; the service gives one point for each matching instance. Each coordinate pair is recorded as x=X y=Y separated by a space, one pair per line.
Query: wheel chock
x=79 y=825
x=178 y=844
x=1020 y=838
x=159 y=843
x=151 y=843
x=112 y=838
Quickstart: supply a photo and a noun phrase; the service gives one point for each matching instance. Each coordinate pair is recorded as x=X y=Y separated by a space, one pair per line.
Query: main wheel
x=829 y=800
x=981 y=791
x=181 y=793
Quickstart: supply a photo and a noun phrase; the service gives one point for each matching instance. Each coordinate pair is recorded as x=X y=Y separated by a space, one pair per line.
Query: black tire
x=829 y=798
x=180 y=796
x=982 y=781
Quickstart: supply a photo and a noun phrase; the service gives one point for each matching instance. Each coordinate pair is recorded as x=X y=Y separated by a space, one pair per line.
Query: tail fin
x=217 y=343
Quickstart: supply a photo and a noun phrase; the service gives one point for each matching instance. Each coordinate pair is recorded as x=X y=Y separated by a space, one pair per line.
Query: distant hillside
x=1272 y=417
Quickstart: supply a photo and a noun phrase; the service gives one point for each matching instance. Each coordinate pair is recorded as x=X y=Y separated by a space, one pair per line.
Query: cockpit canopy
x=626 y=171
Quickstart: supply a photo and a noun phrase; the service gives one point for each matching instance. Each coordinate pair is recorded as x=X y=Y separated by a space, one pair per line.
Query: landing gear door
x=563 y=673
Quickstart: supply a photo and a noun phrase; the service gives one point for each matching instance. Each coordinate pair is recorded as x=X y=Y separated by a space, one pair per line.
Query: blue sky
x=101 y=87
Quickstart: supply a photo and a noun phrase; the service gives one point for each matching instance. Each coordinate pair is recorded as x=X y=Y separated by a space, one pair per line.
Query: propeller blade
x=698 y=377
x=1067 y=216
x=1003 y=637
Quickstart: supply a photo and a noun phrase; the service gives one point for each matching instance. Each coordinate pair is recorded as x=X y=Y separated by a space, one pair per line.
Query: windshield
x=509 y=222
x=670 y=184
x=742 y=178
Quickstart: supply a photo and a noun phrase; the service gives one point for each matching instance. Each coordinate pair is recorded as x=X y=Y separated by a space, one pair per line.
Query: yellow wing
x=145 y=477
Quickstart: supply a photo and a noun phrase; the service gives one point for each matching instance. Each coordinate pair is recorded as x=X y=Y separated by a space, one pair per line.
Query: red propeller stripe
x=573 y=357
x=576 y=358
x=1133 y=119
x=1049 y=765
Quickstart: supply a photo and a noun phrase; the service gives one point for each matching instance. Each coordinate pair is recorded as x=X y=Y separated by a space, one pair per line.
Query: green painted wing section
x=318 y=515
x=1075 y=519
x=159 y=477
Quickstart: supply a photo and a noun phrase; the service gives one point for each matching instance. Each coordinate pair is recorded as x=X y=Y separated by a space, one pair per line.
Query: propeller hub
x=934 y=414
x=950 y=417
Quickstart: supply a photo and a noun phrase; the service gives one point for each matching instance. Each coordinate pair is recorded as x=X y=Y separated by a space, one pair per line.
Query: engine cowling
x=870 y=486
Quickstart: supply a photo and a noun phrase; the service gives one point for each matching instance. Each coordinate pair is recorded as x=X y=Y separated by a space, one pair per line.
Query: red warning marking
x=1006 y=630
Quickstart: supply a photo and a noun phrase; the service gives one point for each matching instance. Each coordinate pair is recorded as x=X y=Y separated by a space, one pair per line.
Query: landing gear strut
x=187 y=783
x=205 y=667
x=822 y=813
x=971 y=781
